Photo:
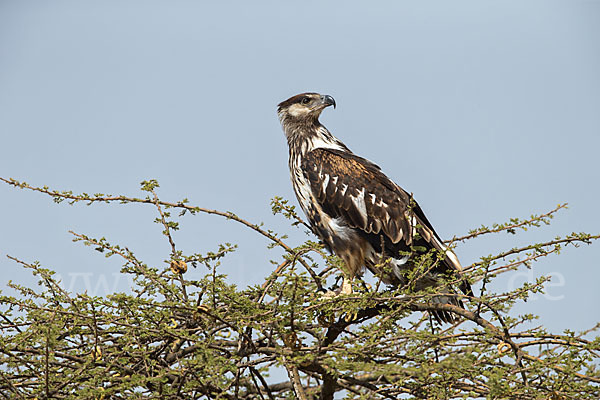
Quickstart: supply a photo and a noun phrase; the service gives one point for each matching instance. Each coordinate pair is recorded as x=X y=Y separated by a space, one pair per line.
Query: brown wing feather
x=354 y=188
x=339 y=180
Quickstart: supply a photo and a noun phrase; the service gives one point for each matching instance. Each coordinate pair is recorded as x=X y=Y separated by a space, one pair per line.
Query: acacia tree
x=179 y=338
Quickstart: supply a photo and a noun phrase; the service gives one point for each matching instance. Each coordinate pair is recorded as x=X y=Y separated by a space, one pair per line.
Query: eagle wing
x=353 y=188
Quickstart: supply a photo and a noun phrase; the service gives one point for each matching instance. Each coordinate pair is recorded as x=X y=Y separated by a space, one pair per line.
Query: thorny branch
x=169 y=341
x=533 y=221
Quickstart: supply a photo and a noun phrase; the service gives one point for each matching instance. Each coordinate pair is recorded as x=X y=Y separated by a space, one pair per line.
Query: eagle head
x=304 y=107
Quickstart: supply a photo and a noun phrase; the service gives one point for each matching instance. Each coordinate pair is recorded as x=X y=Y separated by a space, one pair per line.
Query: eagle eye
x=305 y=100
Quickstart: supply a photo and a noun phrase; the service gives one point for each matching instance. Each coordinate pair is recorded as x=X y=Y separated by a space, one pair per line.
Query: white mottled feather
x=359 y=203
x=325 y=182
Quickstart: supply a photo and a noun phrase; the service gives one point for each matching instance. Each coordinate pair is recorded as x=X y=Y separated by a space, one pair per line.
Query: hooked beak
x=327 y=100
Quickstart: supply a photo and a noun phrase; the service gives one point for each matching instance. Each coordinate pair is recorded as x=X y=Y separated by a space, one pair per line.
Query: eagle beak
x=327 y=100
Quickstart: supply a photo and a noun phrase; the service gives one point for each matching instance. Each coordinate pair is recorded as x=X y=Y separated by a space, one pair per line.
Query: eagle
x=359 y=213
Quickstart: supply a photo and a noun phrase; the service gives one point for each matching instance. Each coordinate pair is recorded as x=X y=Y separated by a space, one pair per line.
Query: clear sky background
x=485 y=110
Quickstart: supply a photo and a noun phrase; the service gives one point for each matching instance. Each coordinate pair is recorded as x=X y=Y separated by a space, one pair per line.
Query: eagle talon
x=330 y=294
x=345 y=289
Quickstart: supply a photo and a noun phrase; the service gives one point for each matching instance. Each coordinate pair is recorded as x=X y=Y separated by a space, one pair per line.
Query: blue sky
x=484 y=110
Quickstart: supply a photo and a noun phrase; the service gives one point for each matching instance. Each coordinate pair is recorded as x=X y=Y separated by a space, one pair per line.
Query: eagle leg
x=346 y=286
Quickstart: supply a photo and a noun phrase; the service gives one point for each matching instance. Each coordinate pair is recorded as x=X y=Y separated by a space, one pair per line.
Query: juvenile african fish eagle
x=356 y=210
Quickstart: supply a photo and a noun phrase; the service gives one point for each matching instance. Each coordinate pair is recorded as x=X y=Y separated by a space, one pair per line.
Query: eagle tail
x=448 y=297
x=452 y=263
